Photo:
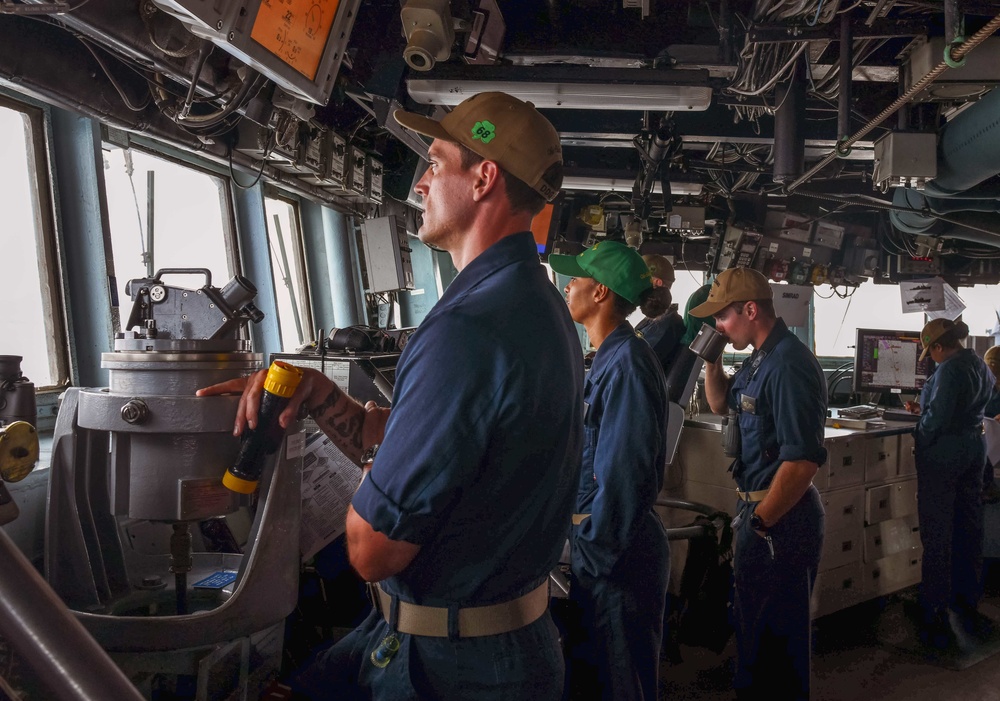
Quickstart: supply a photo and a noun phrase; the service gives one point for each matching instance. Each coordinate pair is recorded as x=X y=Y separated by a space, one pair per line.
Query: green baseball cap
x=616 y=266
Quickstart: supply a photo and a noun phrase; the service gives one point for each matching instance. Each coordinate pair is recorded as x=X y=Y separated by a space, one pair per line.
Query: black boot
x=935 y=629
x=972 y=621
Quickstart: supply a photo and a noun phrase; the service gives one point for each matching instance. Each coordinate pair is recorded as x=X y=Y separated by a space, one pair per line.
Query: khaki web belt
x=475 y=621
x=752 y=497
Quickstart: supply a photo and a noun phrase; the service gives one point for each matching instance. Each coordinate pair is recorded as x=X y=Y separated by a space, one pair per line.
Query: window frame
x=50 y=261
x=304 y=301
x=229 y=223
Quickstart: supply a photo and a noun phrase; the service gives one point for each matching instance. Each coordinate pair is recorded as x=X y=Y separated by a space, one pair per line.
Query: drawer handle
x=876 y=574
x=847 y=583
x=914 y=562
x=849 y=509
x=846 y=546
x=849 y=460
x=883 y=456
x=882 y=503
x=878 y=540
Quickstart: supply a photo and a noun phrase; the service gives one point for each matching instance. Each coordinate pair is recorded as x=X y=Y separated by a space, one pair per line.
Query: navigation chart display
x=888 y=361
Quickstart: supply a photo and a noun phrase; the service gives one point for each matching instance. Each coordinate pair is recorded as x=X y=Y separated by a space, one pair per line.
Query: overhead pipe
x=789 y=125
x=43 y=633
x=915 y=213
x=968 y=154
x=972 y=226
x=845 y=77
x=968 y=149
x=955 y=54
x=725 y=33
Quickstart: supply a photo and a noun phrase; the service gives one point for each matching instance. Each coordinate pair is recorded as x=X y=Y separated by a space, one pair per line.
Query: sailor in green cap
x=619 y=553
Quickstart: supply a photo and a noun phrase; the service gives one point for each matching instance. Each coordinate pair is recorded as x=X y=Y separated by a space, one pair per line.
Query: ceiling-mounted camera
x=429 y=32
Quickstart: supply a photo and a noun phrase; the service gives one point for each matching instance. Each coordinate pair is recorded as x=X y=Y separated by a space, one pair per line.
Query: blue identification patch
x=217 y=580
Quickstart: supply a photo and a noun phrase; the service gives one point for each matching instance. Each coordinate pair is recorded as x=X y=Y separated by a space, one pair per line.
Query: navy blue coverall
x=619 y=555
x=950 y=454
x=780 y=395
x=478 y=466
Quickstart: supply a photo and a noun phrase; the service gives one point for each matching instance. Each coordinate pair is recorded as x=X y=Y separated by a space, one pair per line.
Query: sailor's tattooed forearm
x=317 y=411
x=339 y=417
x=345 y=426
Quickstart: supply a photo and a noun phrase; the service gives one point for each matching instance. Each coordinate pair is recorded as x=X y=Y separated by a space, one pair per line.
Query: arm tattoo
x=347 y=428
x=343 y=426
x=331 y=399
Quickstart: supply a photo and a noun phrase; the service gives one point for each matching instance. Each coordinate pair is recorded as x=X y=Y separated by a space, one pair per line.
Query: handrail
x=45 y=634
x=671 y=502
x=691 y=530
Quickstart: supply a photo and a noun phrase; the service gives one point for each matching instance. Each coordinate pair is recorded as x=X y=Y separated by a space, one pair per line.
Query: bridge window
x=870 y=306
x=31 y=320
x=284 y=241
x=980 y=313
x=166 y=215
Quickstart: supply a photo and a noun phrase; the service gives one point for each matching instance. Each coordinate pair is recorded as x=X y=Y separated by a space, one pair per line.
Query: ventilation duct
x=968 y=155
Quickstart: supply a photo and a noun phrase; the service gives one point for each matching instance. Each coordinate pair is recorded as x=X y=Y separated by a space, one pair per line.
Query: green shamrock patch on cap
x=484 y=131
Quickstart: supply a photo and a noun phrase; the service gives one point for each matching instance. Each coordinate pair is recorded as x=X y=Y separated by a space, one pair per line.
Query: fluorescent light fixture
x=606 y=184
x=564 y=95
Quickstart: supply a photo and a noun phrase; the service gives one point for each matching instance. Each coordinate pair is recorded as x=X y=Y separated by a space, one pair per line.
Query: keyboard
x=900 y=415
x=862 y=411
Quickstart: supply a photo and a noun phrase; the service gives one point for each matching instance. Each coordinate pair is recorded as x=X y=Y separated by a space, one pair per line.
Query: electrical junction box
x=387 y=254
x=684 y=220
x=374 y=186
x=316 y=158
x=358 y=159
x=860 y=261
x=793 y=227
x=338 y=173
x=316 y=155
x=828 y=235
x=980 y=74
x=905 y=159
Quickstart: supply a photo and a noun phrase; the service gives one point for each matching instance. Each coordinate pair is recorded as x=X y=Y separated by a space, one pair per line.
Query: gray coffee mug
x=708 y=344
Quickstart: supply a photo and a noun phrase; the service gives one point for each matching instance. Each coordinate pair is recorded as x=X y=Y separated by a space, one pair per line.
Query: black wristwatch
x=757 y=523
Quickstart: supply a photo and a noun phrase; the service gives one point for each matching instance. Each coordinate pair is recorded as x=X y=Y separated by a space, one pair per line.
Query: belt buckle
x=374 y=598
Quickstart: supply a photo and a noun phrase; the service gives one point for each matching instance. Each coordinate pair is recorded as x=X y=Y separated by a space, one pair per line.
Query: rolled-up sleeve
x=799 y=413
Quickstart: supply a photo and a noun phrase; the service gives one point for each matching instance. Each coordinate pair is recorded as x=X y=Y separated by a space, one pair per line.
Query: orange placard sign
x=295 y=31
x=540 y=225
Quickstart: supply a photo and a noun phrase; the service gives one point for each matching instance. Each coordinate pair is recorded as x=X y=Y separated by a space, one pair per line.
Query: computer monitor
x=888 y=361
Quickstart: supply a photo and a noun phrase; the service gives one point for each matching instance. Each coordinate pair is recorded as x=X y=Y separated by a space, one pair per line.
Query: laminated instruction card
x=329 y=480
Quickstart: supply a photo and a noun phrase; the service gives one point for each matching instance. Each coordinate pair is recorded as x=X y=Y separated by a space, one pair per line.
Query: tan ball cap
x=660 y=267
x=502 y=129
x=733 y=285
x=992 y=359
x=933 y=330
